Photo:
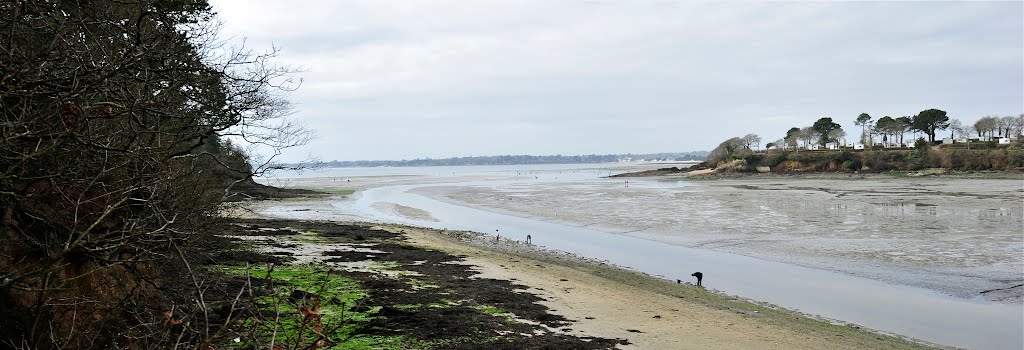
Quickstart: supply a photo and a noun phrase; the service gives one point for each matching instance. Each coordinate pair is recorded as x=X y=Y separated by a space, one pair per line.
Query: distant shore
x=711 y=174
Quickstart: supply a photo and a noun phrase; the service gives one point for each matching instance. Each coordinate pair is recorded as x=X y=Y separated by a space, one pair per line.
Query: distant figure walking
x=699 y=276
x=497 y=236
x=529 y=240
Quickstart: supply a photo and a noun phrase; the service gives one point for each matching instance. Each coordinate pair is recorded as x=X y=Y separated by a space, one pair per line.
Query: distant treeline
x=522 y=159
x=980 y=156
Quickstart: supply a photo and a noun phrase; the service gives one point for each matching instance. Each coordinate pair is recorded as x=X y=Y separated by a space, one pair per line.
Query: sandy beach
x=651 y=313
x=606 y=301
x=928 y=257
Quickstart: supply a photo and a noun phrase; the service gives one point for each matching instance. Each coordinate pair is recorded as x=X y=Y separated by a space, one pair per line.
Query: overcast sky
x=416 y=79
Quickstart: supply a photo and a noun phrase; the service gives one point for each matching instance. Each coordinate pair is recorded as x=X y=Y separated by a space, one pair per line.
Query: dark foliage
x=929 y=120
x=114 y=160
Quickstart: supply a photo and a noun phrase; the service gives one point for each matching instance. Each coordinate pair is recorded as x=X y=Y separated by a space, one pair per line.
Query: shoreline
x=712 y=174
x=496 y=201
x=937 y=275
x=604 y=300
x=645 y=303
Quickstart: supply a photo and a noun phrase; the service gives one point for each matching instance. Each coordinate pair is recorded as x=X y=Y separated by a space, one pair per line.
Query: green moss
x=453 y=342
x=338 y=298
x=378 y=342
x=491 y=310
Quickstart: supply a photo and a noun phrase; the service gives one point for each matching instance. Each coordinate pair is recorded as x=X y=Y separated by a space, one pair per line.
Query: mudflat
x=957 y=236
x=454 y=290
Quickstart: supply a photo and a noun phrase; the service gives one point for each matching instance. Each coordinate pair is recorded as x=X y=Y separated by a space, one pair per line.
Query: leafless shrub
x=115 y=119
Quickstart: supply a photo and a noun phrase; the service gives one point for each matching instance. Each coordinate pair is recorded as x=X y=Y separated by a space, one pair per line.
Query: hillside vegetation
x=979 y=156
x=116 y=121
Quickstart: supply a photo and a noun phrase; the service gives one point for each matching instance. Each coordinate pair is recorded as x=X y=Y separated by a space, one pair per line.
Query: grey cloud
x=393 y=79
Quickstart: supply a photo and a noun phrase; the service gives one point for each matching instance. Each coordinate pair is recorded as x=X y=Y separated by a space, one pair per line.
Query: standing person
x=497 y=236
x=529 y=239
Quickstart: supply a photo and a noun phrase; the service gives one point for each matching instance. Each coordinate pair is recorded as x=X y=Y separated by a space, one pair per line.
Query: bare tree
x=956 y=128
x=979 y=127
x=1006 y=126
x=779 y=144
x=793 y=141
x=873 y=130
x=1018 y=125
x=752 y=140
x=1012 y=125
x=808 y=135
x=115 y=117
x=987 y=125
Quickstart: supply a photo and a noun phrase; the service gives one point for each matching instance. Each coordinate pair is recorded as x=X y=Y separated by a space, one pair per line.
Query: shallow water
x=922 y=272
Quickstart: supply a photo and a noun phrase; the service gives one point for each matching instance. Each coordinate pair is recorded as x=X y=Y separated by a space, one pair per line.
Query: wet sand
x=651 y=313
x=599 y=301
x=959 y=237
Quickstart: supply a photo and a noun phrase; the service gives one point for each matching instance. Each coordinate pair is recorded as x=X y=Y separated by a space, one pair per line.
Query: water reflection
x=909 y=311
x=885 y=230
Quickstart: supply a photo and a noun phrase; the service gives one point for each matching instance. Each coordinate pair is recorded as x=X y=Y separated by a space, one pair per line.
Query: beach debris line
x=433 y=299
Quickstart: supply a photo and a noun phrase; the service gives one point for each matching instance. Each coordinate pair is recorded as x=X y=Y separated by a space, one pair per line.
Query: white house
x=947 y=141
x=858 y=146
x=1004 y=141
